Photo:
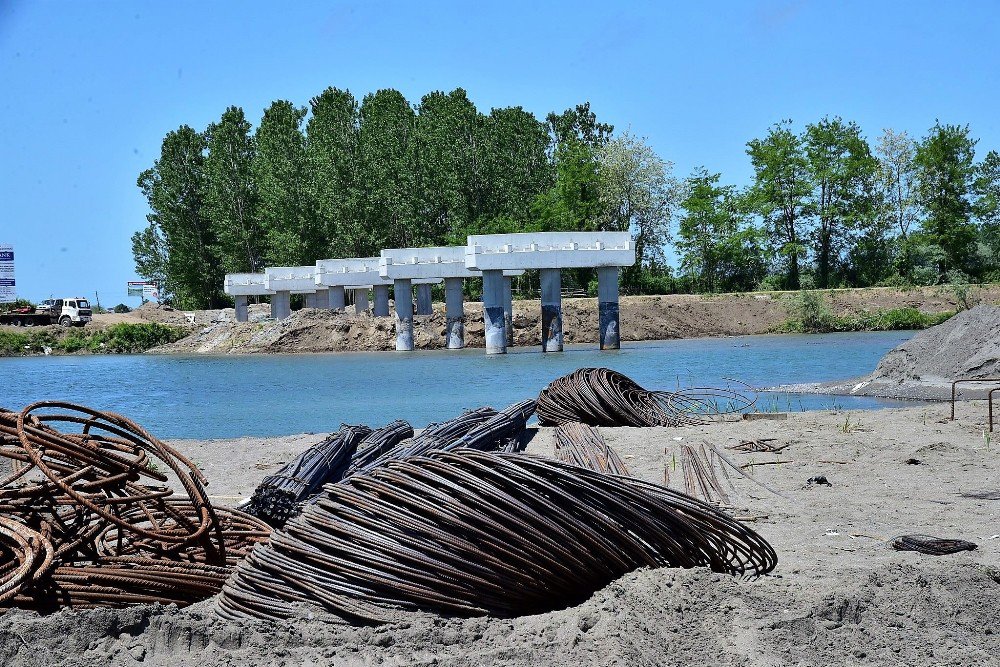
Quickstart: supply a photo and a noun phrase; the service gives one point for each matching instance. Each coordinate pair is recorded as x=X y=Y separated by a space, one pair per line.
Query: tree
x=578 y=124
x=945 y=173
x=780 y=192
x=294 y=234
x=987 y=211
x=386 y=129
x=842 y=174
x=230 y=193
x=720 y=250
x=897 y=195
x=150 y=254
x=635 y=193
x=331 y=156
x=445 y=163
x=175 y=189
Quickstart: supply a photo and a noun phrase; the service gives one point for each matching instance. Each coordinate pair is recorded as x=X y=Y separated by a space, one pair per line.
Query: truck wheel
x=65 y=321
x=29 y=322
x=19 y=322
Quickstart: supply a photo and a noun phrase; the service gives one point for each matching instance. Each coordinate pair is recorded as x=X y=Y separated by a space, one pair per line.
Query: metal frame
x=954 y=393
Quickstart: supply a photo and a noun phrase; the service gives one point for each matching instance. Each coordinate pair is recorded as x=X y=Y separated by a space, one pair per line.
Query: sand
x=965 y=347
x=838 y=596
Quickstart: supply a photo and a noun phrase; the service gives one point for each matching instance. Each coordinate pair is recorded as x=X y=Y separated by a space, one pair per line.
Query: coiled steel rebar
x=470 y=533
x=603 y=397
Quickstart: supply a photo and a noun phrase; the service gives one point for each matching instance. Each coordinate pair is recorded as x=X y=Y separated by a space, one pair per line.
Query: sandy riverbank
x=838 y=596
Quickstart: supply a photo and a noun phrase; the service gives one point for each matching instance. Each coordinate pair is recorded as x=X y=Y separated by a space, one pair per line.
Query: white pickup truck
x=68 y=312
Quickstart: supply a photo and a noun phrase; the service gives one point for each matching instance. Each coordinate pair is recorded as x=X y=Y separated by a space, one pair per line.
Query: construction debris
x=932 y=546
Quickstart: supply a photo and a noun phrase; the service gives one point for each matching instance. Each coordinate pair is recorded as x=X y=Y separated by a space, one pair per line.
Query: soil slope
x=642 y=318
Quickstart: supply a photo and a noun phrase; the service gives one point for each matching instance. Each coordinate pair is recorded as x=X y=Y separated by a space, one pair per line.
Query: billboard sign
x=151 y=292
x=8 y=292
x=135 y=287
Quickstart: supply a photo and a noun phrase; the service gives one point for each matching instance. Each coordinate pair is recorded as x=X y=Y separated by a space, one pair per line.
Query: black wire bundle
x=276 y=499
x=377 y=443
x=468 y=533
x=603 y=397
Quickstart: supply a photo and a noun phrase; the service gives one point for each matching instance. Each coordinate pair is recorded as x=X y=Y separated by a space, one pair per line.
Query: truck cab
x=73 y=311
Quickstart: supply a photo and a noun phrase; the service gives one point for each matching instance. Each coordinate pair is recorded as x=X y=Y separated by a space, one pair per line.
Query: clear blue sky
x=88 y=89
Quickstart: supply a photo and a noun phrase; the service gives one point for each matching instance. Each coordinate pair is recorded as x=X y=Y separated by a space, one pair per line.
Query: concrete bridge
x=495 y=257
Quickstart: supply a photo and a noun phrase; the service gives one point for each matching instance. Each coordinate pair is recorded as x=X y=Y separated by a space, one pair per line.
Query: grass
x=123 y=338
x=810 y=314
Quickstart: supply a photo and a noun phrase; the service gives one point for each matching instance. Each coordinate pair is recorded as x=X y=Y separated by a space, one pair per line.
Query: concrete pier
x=552 y=335
x=242 y=310
x=493 y=299
x=403 y=290
x=322 y=298
x=361 y=300
x=508 y=309
x=309 y=300
x=454 y=305
x=425 y=305
x=607 y=305
x=337 y=297
x=381 y=300
x=281 y=305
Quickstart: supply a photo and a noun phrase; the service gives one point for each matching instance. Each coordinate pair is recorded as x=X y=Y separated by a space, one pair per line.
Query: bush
x=122 y=308
x=127 y=338
x=811 y=314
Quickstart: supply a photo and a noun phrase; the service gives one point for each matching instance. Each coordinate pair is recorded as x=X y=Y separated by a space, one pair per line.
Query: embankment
x=642 y=318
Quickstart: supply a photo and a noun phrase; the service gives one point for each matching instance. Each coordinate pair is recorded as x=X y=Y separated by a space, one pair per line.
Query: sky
x=89 y=89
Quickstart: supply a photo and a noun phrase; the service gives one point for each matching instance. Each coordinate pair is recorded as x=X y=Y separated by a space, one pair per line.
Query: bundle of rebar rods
x=87 y=520
x=603 y=397
x=377 y=443
x=930 y=545
x=583 y=446
x=277 y=497
x=468 y=533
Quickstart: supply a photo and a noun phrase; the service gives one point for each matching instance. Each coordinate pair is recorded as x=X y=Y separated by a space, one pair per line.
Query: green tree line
x=343 y=178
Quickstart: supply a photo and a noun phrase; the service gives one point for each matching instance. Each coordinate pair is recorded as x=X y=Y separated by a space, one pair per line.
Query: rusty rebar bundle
x=468 y=533
x=603 y=397
x=584 y=446
x=87 y=520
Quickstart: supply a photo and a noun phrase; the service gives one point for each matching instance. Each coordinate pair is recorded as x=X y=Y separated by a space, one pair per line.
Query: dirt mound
x=927 y=614
x=967 y=346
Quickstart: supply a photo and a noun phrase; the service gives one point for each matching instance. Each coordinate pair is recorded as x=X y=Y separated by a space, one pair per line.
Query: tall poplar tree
x=294 y=236
x=780 y=193
x=175 y=189
x=331 y=156
x=230 y=193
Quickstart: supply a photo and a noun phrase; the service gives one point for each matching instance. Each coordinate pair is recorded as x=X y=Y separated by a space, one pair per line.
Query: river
x=230 y=396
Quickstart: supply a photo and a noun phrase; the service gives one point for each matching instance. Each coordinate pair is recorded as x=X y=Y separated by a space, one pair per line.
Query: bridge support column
x=309 y=300
x=322 y=298
x=496 y=335
x=508 y=310
x=337 y=297
x=552 y=333
x=281 y=306
x=381 y=300
x=607 y=304
x=242 y=310
x=361 y=300
x=404 y=314
x=424 y=303
x=454 y=306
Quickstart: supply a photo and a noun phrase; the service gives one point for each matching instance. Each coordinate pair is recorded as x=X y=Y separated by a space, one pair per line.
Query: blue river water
x=230 y=396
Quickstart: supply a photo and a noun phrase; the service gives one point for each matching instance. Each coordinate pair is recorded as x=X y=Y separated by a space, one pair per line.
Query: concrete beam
x=242 y=310
x=245 y=284
x=381 y=300
x=549 y=250
x=454 y=308
x=403 y=290
x=607 y=305
x=425 y=304
x=496 y=335
x=436 y=262
x=552 y=335
x=297 y=279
